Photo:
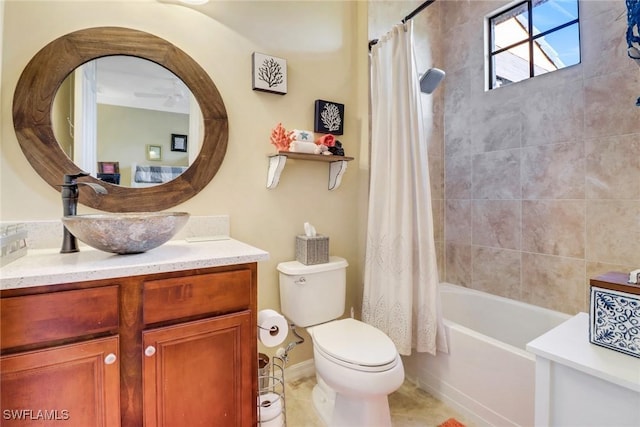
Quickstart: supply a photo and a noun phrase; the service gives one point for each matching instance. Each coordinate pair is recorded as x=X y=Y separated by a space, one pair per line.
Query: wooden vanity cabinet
x=180 y=349
x=201 y=372
x=75 y=384
x=195 y=374
x=53 y=369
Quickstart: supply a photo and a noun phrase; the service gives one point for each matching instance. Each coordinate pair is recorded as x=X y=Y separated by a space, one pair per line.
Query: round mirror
x=128 y=121
x=33 y=109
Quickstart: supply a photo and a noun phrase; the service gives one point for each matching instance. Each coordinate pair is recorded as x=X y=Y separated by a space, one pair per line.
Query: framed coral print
x=269 y=73
x=329 y=117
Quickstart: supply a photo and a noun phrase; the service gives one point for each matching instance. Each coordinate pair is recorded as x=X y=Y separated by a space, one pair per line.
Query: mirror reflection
x=128 y=121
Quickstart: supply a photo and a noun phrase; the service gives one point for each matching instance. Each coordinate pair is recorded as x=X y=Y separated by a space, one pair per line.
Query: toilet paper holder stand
x=271 y=390
x=271 y=394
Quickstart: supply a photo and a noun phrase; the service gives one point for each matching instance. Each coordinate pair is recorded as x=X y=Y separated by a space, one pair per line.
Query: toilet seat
x=356 y=345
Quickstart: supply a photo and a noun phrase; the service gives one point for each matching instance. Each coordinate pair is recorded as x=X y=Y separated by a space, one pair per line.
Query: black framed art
x=329 y=117
x=178 y=142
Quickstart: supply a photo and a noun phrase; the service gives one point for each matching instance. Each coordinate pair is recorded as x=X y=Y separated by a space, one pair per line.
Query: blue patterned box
x=614 y=319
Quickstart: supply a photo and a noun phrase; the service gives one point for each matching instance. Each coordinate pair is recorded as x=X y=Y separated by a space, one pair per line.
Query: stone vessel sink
x=126 y=233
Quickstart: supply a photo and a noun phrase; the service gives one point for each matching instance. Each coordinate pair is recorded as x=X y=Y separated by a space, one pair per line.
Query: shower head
x=431 y=79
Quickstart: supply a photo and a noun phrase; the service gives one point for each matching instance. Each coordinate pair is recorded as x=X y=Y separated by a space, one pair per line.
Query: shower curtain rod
x=416 y=11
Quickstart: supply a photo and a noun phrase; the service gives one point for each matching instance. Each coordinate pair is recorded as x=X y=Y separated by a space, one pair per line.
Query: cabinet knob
x=150 y=351
x=110 y=359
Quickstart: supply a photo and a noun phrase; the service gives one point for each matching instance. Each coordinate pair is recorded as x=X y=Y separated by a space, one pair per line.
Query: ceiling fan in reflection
x=173 y=96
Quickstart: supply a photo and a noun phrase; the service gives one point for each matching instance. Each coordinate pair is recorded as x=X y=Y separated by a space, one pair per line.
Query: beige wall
x=324 y=44
x=62 y=116
x=1 y=40
x=121 y=139
x=541 y=178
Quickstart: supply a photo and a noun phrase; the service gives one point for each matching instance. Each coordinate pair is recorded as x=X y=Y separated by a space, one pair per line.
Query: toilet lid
x=355 y=343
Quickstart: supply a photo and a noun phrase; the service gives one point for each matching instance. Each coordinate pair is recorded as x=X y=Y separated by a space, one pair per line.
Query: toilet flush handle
x=301 y=281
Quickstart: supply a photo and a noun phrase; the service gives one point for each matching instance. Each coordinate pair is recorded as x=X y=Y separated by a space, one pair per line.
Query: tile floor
x=410 y=407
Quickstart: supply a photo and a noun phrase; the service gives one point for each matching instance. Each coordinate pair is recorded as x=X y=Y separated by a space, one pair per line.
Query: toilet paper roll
x=276 y=422
x=272 y=327
x=269 y=407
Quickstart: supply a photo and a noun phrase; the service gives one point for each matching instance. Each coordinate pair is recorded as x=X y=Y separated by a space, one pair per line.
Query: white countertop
x=49 y=266
x=568 y=344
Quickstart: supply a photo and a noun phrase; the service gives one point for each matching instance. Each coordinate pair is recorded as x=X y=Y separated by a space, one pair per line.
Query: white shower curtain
x=401 y=275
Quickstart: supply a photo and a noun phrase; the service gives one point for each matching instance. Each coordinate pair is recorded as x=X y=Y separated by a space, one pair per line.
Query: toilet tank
x=313 y=294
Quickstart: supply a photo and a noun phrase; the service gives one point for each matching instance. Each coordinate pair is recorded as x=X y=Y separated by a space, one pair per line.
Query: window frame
x=530 y=40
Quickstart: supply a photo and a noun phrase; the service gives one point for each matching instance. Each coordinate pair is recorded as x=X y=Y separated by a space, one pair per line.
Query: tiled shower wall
x=542 y=177
x=536 y=185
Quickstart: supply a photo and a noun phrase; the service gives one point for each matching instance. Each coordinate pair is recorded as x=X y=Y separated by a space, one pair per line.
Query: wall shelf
x=337 y=166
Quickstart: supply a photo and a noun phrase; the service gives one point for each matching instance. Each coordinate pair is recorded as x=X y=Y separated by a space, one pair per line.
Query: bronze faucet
x=70 y=194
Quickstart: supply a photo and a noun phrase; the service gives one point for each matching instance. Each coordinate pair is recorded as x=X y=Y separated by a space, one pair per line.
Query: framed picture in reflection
x=154 y=152
x=108 y=167
x=178 y=142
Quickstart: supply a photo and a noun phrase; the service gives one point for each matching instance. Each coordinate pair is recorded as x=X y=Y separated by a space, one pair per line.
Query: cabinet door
x=70 y=385
x=200 y=373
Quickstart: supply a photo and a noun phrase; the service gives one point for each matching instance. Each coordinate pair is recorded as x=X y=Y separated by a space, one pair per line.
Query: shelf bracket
x=276 y=165
x=337 y=166
x=336 y=170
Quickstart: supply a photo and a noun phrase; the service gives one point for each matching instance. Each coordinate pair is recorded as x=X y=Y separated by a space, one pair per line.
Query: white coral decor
x=331 y=117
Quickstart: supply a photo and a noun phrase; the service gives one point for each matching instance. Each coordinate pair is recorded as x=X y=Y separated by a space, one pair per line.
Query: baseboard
x=300 y=370
x=470 y=409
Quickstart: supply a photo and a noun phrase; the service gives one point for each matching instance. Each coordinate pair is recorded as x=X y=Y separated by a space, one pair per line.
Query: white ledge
x=568 y=344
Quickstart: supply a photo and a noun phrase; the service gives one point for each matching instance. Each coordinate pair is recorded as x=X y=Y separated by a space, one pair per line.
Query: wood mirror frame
x=43 y=75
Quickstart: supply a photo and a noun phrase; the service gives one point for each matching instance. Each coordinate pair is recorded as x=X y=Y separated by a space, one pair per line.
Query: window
x=531 y=38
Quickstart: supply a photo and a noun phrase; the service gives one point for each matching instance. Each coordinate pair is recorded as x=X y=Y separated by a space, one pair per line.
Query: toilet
x=357 y=365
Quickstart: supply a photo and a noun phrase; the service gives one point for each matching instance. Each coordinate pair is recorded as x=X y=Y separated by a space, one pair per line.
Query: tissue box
x=614 y=316
x=312 y=250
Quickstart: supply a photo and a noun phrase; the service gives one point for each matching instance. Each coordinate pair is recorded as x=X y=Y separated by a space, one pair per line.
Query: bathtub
x=487 y=376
